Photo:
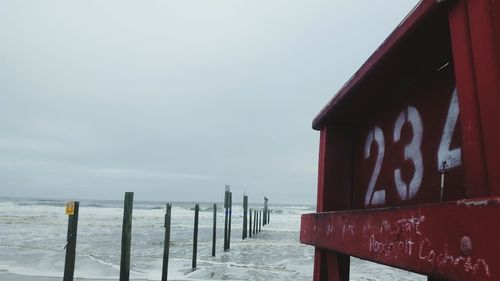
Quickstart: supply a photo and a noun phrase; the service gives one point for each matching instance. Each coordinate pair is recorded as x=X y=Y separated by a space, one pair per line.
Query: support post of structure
x=166 y=245
x=214 y=231
x=126 y=236
x=195 y=235
x=250 y=225
x=72 y=208
x=226 y=215
x=230 y=217
x=265 y=211
x=245 y=213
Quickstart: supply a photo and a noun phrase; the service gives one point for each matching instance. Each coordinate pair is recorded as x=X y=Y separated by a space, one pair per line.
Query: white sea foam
x=34 y=233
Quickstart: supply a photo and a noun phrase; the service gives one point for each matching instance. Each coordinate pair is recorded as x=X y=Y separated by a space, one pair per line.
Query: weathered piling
x=268 y=216
x=126 y=236
x=254 y=222
x=260 y=221
x=214 y=230
x=250 y=225
x=245 y=213
x=166 y=245
x=265 y=211
x=230 y=217
x=226 y=215
x=72 y=208
x=195 y=235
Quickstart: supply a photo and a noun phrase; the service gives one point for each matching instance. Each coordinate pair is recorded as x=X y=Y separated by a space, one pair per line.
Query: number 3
x=411 y=153
x=447 y=158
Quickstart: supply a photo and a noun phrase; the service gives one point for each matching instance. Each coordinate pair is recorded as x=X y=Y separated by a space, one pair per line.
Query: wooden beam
x=456 y=239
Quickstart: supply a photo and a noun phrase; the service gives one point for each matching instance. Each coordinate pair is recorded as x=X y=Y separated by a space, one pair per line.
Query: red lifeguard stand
x=409 y=160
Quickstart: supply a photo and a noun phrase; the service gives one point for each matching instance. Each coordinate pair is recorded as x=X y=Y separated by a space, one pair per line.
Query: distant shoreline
x=120 y=201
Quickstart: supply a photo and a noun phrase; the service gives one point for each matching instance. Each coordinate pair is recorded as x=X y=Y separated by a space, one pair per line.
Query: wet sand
x=14 y=277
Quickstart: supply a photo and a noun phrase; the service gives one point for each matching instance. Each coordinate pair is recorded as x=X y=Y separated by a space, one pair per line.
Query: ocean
x=33 y=236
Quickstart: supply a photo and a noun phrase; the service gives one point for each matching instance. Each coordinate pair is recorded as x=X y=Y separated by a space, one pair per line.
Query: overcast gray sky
x=175 y=99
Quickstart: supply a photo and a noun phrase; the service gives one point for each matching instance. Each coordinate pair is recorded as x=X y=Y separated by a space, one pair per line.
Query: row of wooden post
x=256 y=227
x=252 y=230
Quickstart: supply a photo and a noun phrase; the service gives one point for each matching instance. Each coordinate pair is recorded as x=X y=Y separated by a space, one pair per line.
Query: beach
x=33 y=235
x=14 y=277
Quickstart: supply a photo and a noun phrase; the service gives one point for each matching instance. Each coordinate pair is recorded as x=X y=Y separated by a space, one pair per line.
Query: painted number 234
x=447 y=158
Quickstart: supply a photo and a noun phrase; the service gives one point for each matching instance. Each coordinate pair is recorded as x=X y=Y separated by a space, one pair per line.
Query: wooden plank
x=415 y=125
x=424 y=8
x=406 y=149
x=485 y=36
x=472 y=148
x=334 y=193
x=455 y=240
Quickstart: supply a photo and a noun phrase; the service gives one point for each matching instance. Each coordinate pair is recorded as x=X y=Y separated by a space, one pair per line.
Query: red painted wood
x=485 y=36
x=430 y=239
x=335 y=169
x=405 y=28
x=334 y=193
x=414 y=74
x=331 y=266
x=322 y=171
x=320 y=267
x=398 y=105
x=473 y=152
x=430 y=101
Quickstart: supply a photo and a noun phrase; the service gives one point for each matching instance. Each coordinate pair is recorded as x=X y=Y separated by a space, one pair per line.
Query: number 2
x=447 y=159
x=377 y=136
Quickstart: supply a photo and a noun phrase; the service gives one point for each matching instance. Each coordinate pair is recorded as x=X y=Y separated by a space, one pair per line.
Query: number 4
x=448 y=159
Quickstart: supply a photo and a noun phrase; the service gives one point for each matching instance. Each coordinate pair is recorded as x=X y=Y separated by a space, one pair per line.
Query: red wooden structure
x=409 y=166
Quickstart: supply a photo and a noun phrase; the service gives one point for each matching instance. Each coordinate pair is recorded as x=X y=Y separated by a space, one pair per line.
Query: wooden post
x=126 y=236
x=245 y=213
x=254 y=222
x=334 y=176
x=268 y=216
x=195 y=235
x=260 y=220
x=166 y=245
x=214 y=231
x=250 y=225
x=265 y=211
x=230 y=216
x=226 y=215
x=257 y=222
x=72 y=208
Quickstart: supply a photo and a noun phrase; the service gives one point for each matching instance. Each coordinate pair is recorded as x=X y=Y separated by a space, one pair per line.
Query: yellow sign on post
x=70 y=208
